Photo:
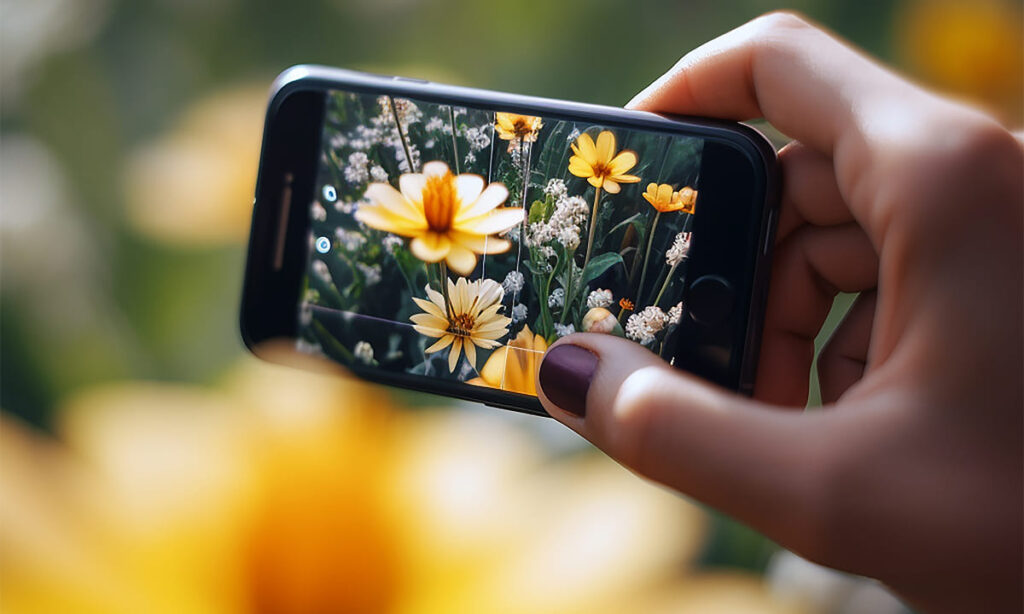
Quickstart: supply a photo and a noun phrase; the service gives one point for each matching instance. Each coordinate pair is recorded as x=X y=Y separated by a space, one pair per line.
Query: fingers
x=806 y=83
x=842 y=361
x=810 y=194
x=810 y=267
x=728 y=451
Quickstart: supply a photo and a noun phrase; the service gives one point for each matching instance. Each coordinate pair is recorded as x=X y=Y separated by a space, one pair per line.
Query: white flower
x=599 y=298
x=321 y=270
x=565 y=224
x=363 y=352
x=519 y=312
x=557 y=298
x=556 y=188
x=680 y=249
x=317 y=211
x=513 y=282
x=391 y=243
x=378 y=174
x=349 y=239
x=644 y=325
x=305 y=314
x=675 y=313
x=405 y=109
x=470 y=158
x=356 y=171
x=562 y=330
x=345 y=207
x=403 y=163
x=478 y=137
x=370 y=272
x=573 y=135
x=435 y=123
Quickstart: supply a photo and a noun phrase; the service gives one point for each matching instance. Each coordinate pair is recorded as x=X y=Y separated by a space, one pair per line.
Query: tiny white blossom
x=321 y=270
x=556 y=188
x=391 y=243
x=478 y=137
x=345 y=207
x=378 y=174
x=308 y=347
x=562 y=330
x=305 y=314
x=557 y=298
x=680 y=249
x=356 y=171
x=435 y=123
x=513 y=282
x=599 y=298
x=370 y=272
x=519 y=312
x=675 y=313
x=363 y=352
x=349 y=239
x=317 y=211
x=644 y=325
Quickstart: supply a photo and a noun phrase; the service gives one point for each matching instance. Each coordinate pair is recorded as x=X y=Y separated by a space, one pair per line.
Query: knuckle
x=782 y=20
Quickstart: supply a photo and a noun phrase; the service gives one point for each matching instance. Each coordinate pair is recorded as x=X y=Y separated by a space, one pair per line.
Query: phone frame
x=744 y=174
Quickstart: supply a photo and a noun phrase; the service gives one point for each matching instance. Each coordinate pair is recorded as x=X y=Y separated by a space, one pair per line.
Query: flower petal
x=460 y=259
x=396 y=202
x=430 y=247
x=595 y=181
x=453 y=353
x=611 y=187
x=493 y=222
x=605 y=146
x=428 y=332
x=494 y=369
x=580 y=167
x=441 y=344
x=412 y=185
x=383 y=219
x=485 y=201
x=622 y=163
x=470 y=350
x=468 y=188
x=435 y=167
x=481 y=244
x=429 y=307
x=429 y=320
x=586 y=149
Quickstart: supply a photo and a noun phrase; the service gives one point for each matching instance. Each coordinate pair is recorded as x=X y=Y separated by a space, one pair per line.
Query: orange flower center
x=521 y=127
x=461 y=324
x=600 y=169
x=440 y=202
x=626 y=304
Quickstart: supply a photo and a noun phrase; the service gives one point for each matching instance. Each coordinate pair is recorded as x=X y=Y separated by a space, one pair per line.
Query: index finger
x=807 y=83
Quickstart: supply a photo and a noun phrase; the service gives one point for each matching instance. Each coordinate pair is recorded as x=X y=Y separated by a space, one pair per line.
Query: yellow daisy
x=469 y=320
x=448 y=217
x=515 y=127
x=600 y=164
x=665 y=200
x=518 y=374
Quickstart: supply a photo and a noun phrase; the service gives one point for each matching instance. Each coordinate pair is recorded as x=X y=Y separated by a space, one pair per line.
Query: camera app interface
x=460 y=243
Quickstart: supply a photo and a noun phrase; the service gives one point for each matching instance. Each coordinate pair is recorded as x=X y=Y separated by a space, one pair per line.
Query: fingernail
x=565 y=375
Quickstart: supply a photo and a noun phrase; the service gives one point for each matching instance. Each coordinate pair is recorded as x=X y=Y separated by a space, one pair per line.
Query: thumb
x=761 y=466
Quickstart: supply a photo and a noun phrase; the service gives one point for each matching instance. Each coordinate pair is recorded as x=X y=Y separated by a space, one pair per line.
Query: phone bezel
x=291 y=144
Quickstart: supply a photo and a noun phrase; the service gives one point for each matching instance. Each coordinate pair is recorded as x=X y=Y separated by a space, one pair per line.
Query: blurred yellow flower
x=448 y=217
x=518 y=373
x=975 y=49
x=469 y=319
x=517 y=128
x=601 y=165
x=665 y=200
x=194 y=184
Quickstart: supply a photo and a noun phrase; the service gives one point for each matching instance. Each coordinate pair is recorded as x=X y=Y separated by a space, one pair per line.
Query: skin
x=912 y=472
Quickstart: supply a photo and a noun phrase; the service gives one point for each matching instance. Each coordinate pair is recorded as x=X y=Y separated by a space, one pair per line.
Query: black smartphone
x=441 y=238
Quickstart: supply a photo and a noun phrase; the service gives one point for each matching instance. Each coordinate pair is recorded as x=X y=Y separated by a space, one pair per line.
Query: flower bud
x=600 y=320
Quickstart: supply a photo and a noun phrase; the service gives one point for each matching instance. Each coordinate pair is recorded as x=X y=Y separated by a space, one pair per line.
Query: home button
x=710 y=300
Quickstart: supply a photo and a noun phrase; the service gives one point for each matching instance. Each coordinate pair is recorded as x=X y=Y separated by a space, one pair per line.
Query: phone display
x=459 y=243
x=443 y=239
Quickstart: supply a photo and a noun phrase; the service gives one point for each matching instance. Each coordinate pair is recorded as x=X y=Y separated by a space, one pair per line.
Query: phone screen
x=459 y=243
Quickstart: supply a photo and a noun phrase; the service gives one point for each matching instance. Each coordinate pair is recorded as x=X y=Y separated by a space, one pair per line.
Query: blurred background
x=148 y=465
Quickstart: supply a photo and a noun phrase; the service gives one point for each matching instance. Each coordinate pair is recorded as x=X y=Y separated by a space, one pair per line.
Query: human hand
x=912 y=472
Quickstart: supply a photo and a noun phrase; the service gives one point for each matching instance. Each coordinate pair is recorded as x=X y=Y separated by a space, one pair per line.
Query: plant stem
x=664 y=286
x=443 y=271
x=593 y=225
x=455 y=147
x=401 y=135
x=647 y=256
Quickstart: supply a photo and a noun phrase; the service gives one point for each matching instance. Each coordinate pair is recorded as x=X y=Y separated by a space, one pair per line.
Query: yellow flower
x=448 y=217
x=515 y=127
x=469 y=320
x=665 y=200
x=518 y=374
x=600 y=164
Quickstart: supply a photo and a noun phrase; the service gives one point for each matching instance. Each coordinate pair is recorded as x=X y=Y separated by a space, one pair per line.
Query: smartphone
x=441 y=238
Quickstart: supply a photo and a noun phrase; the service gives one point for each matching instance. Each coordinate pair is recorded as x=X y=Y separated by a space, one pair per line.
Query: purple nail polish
x=565 y=375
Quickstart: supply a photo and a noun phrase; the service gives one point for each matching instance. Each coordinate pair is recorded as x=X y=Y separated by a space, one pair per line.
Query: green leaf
x=599 y=265
x=633 y=219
